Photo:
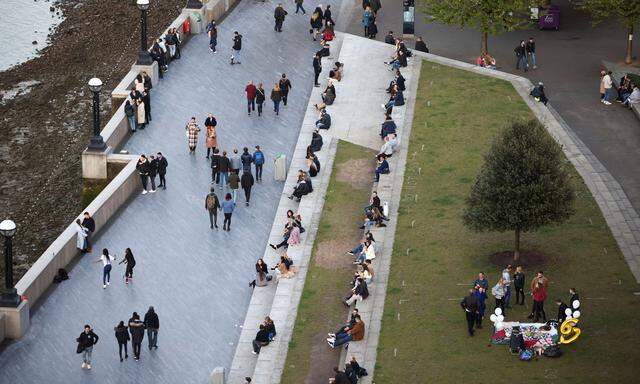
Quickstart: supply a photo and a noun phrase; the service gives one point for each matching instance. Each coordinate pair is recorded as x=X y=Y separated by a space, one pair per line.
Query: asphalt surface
x=569 y=61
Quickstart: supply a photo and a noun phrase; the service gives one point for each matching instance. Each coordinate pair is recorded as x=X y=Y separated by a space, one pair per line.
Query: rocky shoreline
x=46 y=126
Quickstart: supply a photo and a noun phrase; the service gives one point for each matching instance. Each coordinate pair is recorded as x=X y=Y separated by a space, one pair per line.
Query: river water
x=21 y=23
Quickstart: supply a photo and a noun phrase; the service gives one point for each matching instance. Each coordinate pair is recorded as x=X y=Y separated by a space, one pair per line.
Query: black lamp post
x=10 y=297
x=194 y=4
x=96 y=144
x=144 y=58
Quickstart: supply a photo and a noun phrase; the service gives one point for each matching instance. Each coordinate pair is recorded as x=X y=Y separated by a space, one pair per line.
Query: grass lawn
x=310 y=360
x=428 y=342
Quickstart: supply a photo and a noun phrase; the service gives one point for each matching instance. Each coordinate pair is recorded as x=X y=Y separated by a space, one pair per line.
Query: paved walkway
x=196 y=278
x=569 y=62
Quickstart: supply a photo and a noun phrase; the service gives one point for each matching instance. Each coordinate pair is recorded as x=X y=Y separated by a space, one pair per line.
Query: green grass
x=428 y=344
x=320 y=309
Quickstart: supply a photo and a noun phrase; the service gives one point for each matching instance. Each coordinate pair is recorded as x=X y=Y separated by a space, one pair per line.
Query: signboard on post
x=408 y=18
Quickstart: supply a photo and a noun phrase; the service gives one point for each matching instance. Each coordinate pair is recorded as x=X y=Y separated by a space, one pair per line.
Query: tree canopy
x=524 y=184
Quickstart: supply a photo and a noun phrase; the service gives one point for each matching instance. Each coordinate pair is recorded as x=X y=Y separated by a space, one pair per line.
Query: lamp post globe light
x=96 y=143
x=144 y=58
x=9 y=297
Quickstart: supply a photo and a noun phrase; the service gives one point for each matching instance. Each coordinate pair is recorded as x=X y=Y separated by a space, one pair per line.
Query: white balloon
x=500 y=318
x=568 y=311
x=568 y=317
x=576 y=304
x=493 y=318
x=576 y=314
x=498 y=311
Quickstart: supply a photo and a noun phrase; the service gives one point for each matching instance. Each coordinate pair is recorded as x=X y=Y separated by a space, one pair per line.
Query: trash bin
x=550 y=18
x=280 y=165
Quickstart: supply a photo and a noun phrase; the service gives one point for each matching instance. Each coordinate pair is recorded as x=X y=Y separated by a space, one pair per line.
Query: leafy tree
x=489 y=16
x=523 y=184
x=628 y=11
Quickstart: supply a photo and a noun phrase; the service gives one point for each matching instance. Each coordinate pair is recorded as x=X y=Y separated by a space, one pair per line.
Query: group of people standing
x=133 y=331
x=137 y=107
x=150 y=167
x=474 y=304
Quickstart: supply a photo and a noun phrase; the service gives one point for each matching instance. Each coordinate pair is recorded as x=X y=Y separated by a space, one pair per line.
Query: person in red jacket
x=539 y=293
x=250 y=90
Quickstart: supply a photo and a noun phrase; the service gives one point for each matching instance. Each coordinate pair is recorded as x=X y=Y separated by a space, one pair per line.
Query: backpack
x=553 y=351
x=211 y=201
x=61 y=276
x=526 y=355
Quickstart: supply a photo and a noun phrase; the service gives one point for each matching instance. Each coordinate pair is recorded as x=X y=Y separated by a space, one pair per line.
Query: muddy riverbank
x=46 y=123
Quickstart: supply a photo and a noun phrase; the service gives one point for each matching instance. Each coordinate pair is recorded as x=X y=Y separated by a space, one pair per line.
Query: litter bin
x=550 y=18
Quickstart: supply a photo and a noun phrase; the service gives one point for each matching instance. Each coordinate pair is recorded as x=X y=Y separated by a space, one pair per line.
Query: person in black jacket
x=153 y=171
x=340 y=377
x=470 y=306
x=90 y=225
x=421 y=46
x=143 y=170
x=86 y=341
x=152 y=323
x=247 y=159
x=518 y=285
x=353 y=370
x=521 y=56
x=146 y=99
x=285 y=87
x=215 y=166
x=262 y=339
x=562 y=307
x=224 y=165
x=317 y=69
x=260 y=96
x=122 y=336
x=279 y=15
x=136 y=328
x=359 y=292
x=237 y=47
x=162 y=169
x=324 y=122
x=130 y=112
x=246 y=182
x=316 y=141
x=131 y=262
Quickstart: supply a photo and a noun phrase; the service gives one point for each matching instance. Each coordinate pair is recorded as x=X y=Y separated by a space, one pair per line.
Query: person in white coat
x=81 y=239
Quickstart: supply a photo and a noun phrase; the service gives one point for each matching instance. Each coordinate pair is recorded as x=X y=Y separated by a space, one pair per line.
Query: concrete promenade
x=195 y=277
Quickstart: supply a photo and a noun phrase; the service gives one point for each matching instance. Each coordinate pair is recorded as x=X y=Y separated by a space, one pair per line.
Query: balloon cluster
x=497 y=318
x=568 y=330
x=574 y=311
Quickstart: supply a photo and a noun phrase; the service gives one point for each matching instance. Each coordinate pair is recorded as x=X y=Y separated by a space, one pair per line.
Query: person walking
x=215 y=166
x=279 y=14
x=276 y=97
x=530 y=49
x=518 y=284
x=106 y=260
x=247 y=183
x=130 y=112
x=235 y=161
x=258 y=161
x=250 y=91
x=521 y=56
x=285 y=87
x=153 y=171
x=237 y=47
x=162 y=169
x=224 y=165
x=246 y=159
x=234 y=184
x=367 y=21
x=122 y=336
x=212 y=141
x=299 y=7
x=212 y=205
x=130 y=261
x=317 y=69
x=228 y=205
x=192 y=130
x=212 y=31
x=86 y=341
x=136 y=328
x=152 y=324
x=260 y=97
x=470 y=306
x=90 y=225
x=143 y=170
